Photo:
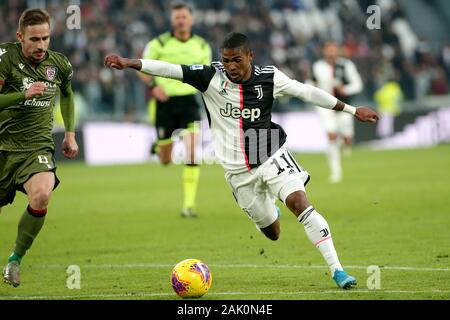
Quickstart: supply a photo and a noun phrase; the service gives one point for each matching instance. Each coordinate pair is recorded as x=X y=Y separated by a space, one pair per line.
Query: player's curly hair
x=32 y=17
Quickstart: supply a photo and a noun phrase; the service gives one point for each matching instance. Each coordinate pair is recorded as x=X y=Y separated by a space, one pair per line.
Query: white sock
x=318 y=232
x=334 y=159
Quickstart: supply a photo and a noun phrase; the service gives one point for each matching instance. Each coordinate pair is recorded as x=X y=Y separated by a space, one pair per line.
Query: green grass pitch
x=121 y=226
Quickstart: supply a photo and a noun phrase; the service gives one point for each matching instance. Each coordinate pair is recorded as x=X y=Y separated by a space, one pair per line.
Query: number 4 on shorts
x=44 y=160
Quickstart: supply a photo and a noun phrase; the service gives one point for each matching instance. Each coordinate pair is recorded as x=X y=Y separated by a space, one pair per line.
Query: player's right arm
x=11 y=99
x=198 y=76
x=14 y=98
x=147 y=66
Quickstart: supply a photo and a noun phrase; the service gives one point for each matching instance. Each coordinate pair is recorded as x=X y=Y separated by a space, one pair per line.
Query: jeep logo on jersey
x=50 y=72
x=236 y=113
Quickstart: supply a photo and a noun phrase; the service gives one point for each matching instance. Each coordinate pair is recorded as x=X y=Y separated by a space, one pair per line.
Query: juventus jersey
x=239 y=114
x=343 y=74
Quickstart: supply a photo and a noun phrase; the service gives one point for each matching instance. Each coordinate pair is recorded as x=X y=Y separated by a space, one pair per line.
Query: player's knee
x=273 y=236
x=332 y=136
x=273 y=231
x=40 y=198
x=300 y=205
x=297 y=202
x=165 y=158
x=348 y=141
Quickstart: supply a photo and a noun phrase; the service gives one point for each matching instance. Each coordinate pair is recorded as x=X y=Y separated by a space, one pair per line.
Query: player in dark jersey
x=238 y=96
x=176 y=104
x=30 y=78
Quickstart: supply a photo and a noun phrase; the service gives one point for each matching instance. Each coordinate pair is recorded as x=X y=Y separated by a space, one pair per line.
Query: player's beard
x=38 y=56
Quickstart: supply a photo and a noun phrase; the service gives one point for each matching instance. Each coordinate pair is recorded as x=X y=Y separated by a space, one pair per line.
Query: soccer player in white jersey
x=238 y=96
x=339 y=77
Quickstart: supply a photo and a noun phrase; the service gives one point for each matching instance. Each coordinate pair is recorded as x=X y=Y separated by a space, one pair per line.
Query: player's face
x=182 y=20
x=331 y=52
x=35 y=41
x=237 y=63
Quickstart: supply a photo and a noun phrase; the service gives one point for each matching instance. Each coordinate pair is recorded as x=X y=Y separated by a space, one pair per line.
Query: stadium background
x=107 y=220
x=411 y=43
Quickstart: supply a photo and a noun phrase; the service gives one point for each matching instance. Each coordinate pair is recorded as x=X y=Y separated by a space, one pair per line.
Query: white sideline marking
x=219 y=294
x=265 y=266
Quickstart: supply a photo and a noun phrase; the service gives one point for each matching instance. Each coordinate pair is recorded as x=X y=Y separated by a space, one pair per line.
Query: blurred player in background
x=339 y=77
x=176 y=104
x=239 y=96
x=31 y=76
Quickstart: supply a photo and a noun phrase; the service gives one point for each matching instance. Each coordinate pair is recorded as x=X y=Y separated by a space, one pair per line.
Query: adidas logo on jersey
x=236 y=112
x=223 y=92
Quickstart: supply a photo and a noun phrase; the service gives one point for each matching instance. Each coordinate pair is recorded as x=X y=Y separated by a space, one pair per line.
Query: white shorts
x=337 y=122
x=256 y=191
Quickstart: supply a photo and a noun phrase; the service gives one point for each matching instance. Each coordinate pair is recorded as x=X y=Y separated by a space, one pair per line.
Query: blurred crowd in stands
x=284 y=33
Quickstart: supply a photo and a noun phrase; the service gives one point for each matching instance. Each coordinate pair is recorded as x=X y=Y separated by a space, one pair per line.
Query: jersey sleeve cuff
x=349 y=109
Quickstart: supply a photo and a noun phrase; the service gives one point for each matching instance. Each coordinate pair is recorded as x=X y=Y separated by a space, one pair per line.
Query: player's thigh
x=37 y=172
x=283 y=175
x=40 y=184
x=328 y=119
x=346 y=124
x=253 y=198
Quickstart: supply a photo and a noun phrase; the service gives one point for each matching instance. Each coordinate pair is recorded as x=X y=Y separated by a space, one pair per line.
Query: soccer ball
x=191 y=278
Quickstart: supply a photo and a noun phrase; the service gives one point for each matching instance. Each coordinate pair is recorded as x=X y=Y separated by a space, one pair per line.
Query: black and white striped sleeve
x=198 y=76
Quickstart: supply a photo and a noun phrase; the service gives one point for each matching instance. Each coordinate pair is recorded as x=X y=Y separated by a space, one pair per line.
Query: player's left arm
x=355 y=84
x=284 y=86
x=70 y=146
